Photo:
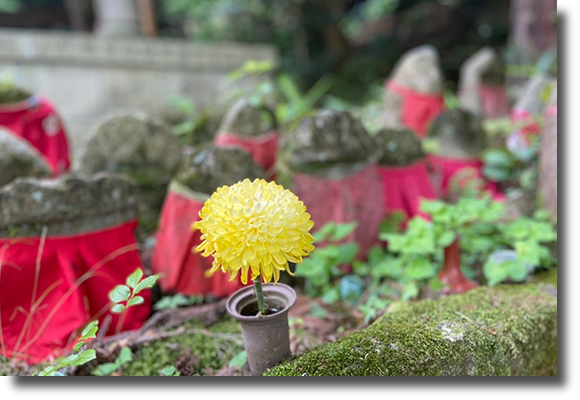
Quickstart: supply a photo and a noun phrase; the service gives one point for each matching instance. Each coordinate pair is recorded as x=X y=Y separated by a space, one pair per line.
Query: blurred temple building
x=93 y=57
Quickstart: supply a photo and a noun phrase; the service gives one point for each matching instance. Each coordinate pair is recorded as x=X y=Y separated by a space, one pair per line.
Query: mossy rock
x=19 y=159
x=458 y=133
x=507 y=330
x=398 y=147
x=245 y=119
x=326 y=140
x=11 y=93
x=207 y=168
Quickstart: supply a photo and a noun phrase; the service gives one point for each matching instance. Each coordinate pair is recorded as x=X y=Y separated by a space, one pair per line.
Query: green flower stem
x=260 y=295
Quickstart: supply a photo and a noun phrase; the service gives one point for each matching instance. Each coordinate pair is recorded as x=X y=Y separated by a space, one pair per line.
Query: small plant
x=323 y=268
x=477 y=227
x=125 y=296
x=292 y=104
x=176 y=301
x=78 y=356
x=125 y=357
x=170 y=371
x=528 y=237
x=501 y=166
x=120 y=294
x=239 y=360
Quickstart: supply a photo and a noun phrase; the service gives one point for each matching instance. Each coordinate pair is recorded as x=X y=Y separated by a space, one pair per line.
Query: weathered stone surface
x=506 y=330
x=398 y=147
x=206 y=169
x=482 y=68
x=10 y=93
x=418 y=70
x=246 y=120
x=457 y=133
x=19 y=159
x=548 y=178
x=328 y=140
x=66 y=205
x=532 y=97
x=132 y=143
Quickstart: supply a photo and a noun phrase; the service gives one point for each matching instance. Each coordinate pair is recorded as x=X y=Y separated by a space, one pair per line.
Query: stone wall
x=87 y=75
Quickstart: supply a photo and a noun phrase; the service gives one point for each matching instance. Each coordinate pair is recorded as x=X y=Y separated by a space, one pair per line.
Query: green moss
x=549 y=277
x=505 y=330
x=4 y=366
x=10 y=93
x=221 y=342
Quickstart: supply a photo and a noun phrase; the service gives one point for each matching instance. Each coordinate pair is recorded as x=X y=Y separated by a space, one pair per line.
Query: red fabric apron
x=404 y=187
x=447 y=167
x=181 y=268
x=263 y=148
x=494 y=102
x=39 y=317
x=419 y=109
x=36 y=120
x=358 y=197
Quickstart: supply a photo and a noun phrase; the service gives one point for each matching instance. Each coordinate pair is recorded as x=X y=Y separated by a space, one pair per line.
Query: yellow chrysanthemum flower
x=254 y=226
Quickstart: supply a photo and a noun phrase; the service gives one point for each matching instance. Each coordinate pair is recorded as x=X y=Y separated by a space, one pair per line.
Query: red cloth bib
x=36 y=120
x=181 y=268
x=40 y=316
x=494 y=102
x=404 y=187
x=419 y=109
x=263 y=148
x=447 y=167
x=358 y=197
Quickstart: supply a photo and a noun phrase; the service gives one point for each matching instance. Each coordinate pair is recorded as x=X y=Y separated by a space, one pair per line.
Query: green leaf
x=348 y=252
x=393 y=222
x=494 y=272
x=318 y=311
x=90 y=331
x=120 y=293
x=85 y=357
x=135 y=301
x=170 y=371
x=343 y=230
x=331 y=295
x=446 y=238
x=497 y=174
x=499 y=158
x=10 y=6
x=432 y=207
x=289 y=89
x=542 y=215
x=239 y=360
x=420 y=268
x=410 y=291
x=146 y=283
x=105 y=369
x=390 y=267
x=435 y=284
x=321 y=234
x=518 y=272
x=117 y=308
x=125 y=356
x=77 y=346
x=48 y=371
x=135 y=278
